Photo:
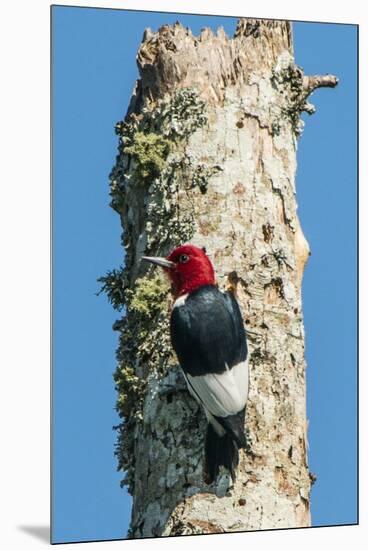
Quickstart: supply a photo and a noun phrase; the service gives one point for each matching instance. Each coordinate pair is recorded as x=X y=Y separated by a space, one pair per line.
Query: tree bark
x=208 y=155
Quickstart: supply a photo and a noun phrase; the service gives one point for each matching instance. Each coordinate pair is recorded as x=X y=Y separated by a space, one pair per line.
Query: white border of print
x=25 y=280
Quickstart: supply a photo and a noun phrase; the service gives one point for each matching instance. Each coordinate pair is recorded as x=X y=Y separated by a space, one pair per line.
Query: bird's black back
x=207 y=332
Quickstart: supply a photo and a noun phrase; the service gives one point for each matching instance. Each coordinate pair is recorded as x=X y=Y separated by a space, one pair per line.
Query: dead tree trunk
x=208 y=155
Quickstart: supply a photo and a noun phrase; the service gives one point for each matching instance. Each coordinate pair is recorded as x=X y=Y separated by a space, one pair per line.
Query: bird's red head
x=188 y=268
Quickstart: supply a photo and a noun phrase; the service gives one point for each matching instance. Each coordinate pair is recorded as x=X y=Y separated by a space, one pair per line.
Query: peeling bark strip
x=207 y=154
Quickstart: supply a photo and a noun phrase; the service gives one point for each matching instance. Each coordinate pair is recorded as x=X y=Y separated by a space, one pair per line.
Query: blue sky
x=94 y=71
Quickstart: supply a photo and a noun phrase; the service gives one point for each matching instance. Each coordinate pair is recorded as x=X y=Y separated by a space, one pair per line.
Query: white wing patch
x=221 y=394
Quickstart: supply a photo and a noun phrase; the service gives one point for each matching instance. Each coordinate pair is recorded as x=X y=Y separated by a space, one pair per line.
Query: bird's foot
x=223 y=482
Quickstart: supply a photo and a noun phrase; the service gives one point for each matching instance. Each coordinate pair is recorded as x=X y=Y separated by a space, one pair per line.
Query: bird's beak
x=163 y=262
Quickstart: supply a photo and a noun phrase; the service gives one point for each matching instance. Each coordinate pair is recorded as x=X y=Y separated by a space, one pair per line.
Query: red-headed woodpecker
x=208 y=336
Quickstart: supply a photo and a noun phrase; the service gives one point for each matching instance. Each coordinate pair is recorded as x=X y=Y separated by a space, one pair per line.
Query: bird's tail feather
x=220 y=451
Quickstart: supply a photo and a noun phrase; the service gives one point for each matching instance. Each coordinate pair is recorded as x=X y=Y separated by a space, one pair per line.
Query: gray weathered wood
x=208 y=155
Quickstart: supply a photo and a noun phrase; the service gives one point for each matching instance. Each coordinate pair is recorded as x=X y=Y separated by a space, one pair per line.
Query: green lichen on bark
x=149 y=137
x=149 y=296
x=150 y=152
x=138 y=352
x=143 y=350
x=287 y=78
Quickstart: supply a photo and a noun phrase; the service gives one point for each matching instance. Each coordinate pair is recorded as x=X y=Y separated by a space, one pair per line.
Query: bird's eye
x=183 y=258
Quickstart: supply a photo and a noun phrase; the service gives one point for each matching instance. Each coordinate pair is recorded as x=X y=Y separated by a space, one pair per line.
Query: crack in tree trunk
x=208 y=155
